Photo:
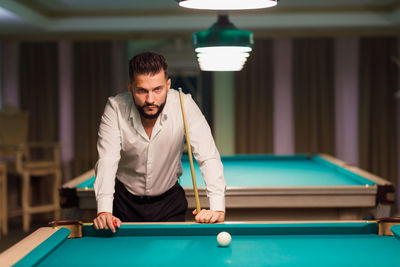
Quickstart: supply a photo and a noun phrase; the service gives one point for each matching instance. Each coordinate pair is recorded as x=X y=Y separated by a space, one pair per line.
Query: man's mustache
x=150 y=105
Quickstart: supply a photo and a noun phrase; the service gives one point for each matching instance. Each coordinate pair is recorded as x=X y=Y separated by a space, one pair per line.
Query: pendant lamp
x=222 y=47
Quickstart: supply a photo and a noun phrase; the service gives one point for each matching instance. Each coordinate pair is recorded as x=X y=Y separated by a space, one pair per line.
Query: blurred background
x=323 y=76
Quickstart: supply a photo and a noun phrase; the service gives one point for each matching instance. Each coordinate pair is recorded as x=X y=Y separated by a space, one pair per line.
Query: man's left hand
x=209 y=216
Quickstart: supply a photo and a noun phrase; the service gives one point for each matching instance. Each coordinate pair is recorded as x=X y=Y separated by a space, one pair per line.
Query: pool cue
x=196 y=193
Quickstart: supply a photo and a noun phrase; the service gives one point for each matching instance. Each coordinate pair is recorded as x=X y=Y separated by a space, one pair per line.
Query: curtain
x=254 y=101
x=377 y=106
x=313 y=95
x=207 y=96
x=39 y=88
x=93 y=81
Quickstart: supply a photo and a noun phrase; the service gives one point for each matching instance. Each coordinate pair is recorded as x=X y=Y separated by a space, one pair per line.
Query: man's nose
x=150 y=98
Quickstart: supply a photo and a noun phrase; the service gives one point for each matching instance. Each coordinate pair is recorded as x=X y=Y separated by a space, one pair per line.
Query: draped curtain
x=206 y=95
x=313 y=95
x=39 y=88
x=93 y=81
x=254 y=101
x=377 y=106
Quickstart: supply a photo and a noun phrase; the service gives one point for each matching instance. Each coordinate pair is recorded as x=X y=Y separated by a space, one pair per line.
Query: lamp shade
x=223 y=47
x=227 y=4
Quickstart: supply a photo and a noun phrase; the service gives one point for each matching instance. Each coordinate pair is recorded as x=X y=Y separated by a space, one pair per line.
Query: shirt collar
x=134 y=113
x=167 y=107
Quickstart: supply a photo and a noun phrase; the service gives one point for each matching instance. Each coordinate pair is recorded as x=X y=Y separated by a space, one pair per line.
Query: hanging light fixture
x=223 y=47
x=227 y=4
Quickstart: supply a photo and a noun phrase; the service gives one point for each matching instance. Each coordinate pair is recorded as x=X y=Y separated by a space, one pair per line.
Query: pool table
x=339 y=243
x=270 y=187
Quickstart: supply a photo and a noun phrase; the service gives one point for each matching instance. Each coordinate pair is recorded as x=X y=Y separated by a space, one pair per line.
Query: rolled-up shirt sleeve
x=206 y=154
x=108 y=147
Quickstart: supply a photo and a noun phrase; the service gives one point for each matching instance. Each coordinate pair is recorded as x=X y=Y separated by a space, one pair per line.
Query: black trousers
x=168 y=207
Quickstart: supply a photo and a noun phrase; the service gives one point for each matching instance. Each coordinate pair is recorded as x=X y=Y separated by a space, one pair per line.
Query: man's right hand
x=105 y=220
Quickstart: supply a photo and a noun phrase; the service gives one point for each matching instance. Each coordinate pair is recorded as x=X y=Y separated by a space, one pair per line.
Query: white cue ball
x=224 y=239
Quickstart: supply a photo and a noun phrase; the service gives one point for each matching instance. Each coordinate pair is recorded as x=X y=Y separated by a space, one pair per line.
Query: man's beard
x=153 y=116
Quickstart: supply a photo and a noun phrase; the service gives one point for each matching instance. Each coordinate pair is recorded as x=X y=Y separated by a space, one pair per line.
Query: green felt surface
x=342 y=244
x=44 y=249
x=272 y=171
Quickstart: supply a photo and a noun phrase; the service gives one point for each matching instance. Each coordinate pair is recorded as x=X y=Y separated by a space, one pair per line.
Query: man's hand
x=209 y=216
x=105 y=220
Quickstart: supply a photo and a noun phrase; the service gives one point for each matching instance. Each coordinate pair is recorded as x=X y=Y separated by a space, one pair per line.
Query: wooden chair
x=21 y=160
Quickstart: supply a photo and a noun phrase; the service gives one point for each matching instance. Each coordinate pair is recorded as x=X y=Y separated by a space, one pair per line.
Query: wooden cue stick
x=196 y=193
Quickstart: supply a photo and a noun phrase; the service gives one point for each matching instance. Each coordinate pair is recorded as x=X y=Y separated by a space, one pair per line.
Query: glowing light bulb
x=227 y=4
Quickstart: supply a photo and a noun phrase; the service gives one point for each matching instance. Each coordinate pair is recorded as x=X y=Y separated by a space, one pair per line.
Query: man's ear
x=168 y=84
x=130 y=87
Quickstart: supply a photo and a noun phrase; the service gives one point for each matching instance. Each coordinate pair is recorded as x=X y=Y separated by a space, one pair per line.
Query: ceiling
x=122 y=18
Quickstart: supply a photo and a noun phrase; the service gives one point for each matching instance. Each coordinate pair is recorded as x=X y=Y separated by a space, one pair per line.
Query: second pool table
x=270 y=187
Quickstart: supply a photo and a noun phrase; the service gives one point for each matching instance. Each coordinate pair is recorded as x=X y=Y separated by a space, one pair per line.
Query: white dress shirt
x=151 y=166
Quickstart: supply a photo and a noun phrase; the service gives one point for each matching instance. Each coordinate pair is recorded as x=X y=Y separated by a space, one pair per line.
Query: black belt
x=152 y=199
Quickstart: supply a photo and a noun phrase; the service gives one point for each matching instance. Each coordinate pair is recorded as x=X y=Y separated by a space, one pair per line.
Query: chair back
x=13 y=130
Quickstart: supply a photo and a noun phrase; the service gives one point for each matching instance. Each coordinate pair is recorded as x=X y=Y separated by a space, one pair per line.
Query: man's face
x=149 y=93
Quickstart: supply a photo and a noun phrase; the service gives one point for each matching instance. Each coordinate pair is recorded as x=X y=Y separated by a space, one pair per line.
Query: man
x=141 y=137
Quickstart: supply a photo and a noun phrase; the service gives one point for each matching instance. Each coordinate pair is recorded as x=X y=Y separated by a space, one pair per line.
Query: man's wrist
x=100 y=213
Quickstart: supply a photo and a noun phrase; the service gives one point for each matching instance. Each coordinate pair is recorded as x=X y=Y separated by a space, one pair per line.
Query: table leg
x=3 y=204
x=26 y=196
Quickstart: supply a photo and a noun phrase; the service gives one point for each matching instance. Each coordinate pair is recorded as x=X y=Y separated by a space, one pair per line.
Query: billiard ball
x=224 y=239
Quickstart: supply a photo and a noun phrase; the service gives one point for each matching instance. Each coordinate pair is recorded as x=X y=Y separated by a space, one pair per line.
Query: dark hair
x=147 y=63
